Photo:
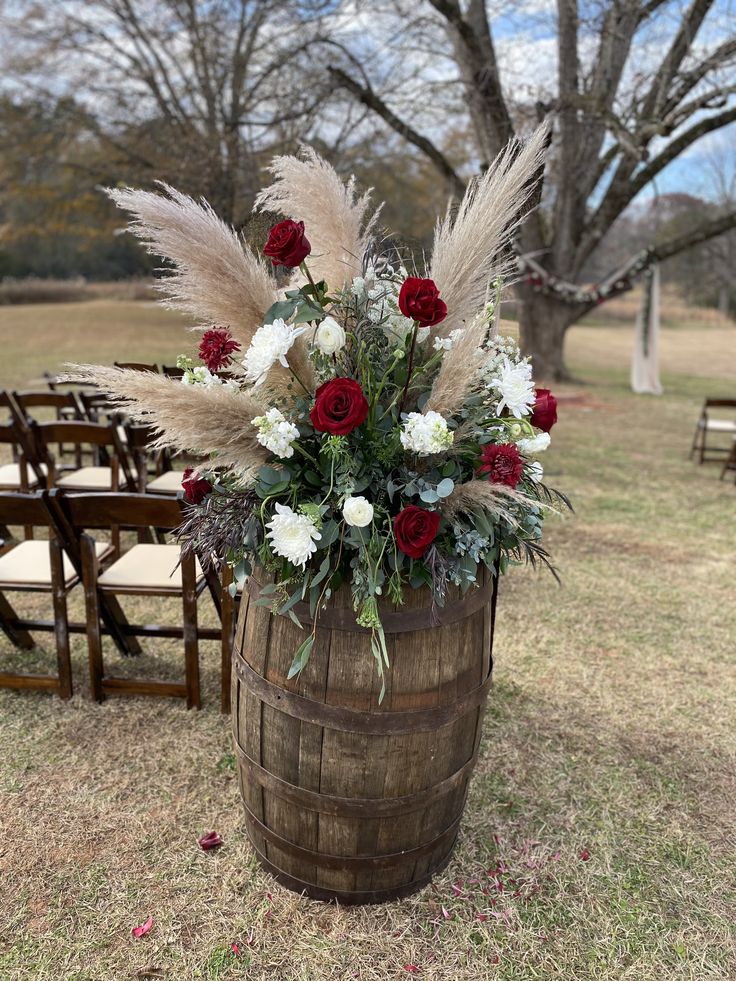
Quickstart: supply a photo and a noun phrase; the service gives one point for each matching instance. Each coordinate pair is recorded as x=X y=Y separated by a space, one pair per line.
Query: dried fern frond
x=336 y=220
x=459 y=369
x=471 y=250
x=188 y=417
x=474 y=494
x=217 y=278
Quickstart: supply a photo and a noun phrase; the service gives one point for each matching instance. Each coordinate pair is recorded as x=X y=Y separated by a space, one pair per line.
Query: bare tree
x=638 y=83
x=194 y=93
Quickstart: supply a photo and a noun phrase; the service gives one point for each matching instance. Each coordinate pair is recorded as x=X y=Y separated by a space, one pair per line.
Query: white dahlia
x=276 y=433
x=270 y=343
x=292 y=535
x=426 y=433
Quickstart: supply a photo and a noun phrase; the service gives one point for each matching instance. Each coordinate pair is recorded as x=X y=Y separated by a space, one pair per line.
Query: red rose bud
x=503 y=464
x=195 y=487
x=339 y=407
x=415 y=530
x=287 y=244
x=419 y=300
x=209 y=841
x=544 y=413
x=216 y=347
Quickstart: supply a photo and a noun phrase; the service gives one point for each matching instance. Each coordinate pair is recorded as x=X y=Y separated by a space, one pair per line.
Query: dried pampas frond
x=474 y=494
x=469 y=251
x=188 y=417
x=336 y=221
x=217 y=278
x=459 y=369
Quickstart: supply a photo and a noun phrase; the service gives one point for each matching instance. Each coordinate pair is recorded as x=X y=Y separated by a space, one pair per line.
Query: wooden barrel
x=346 y=799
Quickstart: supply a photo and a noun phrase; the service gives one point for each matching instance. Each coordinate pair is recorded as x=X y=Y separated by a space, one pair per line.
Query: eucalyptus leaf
x=445 y=487
x=301 y=657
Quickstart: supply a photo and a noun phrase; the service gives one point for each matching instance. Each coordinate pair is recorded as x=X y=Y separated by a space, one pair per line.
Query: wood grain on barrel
x=350 y=850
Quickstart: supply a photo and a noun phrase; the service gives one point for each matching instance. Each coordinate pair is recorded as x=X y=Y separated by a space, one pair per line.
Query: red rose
x=415 y=530
x=339 y=407
x=195 y=487
x=216 y=347
x=503 y=464
x=419 y=300
x=287 y=244
x=544 y=413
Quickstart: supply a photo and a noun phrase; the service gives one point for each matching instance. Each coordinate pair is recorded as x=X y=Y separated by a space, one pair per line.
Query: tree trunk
x=724 y=301
x=543 y=323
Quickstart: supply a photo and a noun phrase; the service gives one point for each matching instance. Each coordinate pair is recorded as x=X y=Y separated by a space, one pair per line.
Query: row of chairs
x=718 y=426
x=74 y=553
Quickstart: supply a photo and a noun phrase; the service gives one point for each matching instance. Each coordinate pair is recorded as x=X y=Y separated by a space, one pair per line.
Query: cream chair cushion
x=10 y=476
x=720 y=426
x=167 y=483
x=90 y=478
x=29 y=564
x=147 y=567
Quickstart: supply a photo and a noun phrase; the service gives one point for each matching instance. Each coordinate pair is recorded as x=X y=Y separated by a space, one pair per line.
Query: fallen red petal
x=209 y=841
x=584 y=854
x=142 y=930
x=235 y=949
x=411 y=968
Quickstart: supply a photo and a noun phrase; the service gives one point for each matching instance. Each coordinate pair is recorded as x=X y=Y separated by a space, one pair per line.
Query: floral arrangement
x=366 y=425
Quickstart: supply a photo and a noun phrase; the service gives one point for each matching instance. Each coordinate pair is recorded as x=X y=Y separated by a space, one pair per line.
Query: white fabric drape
x=645 y=360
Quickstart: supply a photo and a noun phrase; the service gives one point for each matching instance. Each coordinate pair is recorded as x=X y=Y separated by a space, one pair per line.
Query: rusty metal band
x=349 y=863
x=370 y=807
x=353 y=720
x=350 y=897
x=395 y=621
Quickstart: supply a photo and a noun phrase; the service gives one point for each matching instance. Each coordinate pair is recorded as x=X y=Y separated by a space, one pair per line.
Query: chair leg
x=92 y=605
x=61 y=621
x=228 y=638
x=191 y=638
x=18 y=636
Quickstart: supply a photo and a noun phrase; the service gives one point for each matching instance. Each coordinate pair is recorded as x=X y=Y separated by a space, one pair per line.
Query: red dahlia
x=216 y=347
x=503 y=464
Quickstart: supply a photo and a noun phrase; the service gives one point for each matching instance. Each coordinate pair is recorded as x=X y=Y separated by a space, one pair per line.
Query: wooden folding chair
x=730 y=464
x=27 y=472
x=38 y=567
x=165 y=480
x=144 y=570
x=63 y=404
x=708 y=425
x=172 y=371
x=137 y=366
x=110 y=470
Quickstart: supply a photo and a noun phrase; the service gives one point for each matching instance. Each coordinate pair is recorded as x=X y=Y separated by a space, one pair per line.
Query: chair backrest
x=24 y=509
x=94 y=403
x=720 y=404
x=172 y=371
x=137 y=366
x=81 y=433
x=87 y=511
x=46 y=399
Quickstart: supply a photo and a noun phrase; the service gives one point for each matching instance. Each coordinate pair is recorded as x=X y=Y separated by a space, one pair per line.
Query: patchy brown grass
x=612 y=729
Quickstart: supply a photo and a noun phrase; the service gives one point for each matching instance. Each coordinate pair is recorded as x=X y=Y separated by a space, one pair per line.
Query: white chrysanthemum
x=292 y=535
x=329 y=337
x=536 y=472
x=516 y=388
x=535 y=444
x=357 y=511
x=276 y=433
x=426 y=433
x=270 y=343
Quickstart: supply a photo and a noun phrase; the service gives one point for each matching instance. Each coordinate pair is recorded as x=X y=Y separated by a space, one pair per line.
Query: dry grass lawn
x=599 y=838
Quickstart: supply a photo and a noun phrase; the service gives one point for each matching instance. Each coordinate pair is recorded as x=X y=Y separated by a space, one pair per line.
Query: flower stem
x=410 y=367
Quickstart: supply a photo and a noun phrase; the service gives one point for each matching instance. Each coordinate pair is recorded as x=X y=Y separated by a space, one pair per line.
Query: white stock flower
x=536 y=472
x=292 y=535
x=270 y=343
x=445 y=343
x=357 y=511
x=201 y=375
x=426 y=433
x=329 y=336
x=516 y=388
x=535 y=444
x=276 y=433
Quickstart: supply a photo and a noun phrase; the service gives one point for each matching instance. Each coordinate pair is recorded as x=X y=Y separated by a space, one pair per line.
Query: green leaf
x=281 y=310
x=301 y=657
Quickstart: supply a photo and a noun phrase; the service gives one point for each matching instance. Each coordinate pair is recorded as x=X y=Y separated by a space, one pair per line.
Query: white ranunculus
x=357 y=511
x=292 y=535
x=536 y=472
x=535 y=444
x=276 y=433
x=425 y=433
x=329 y=336
x=516 y=388
x=270 y=343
